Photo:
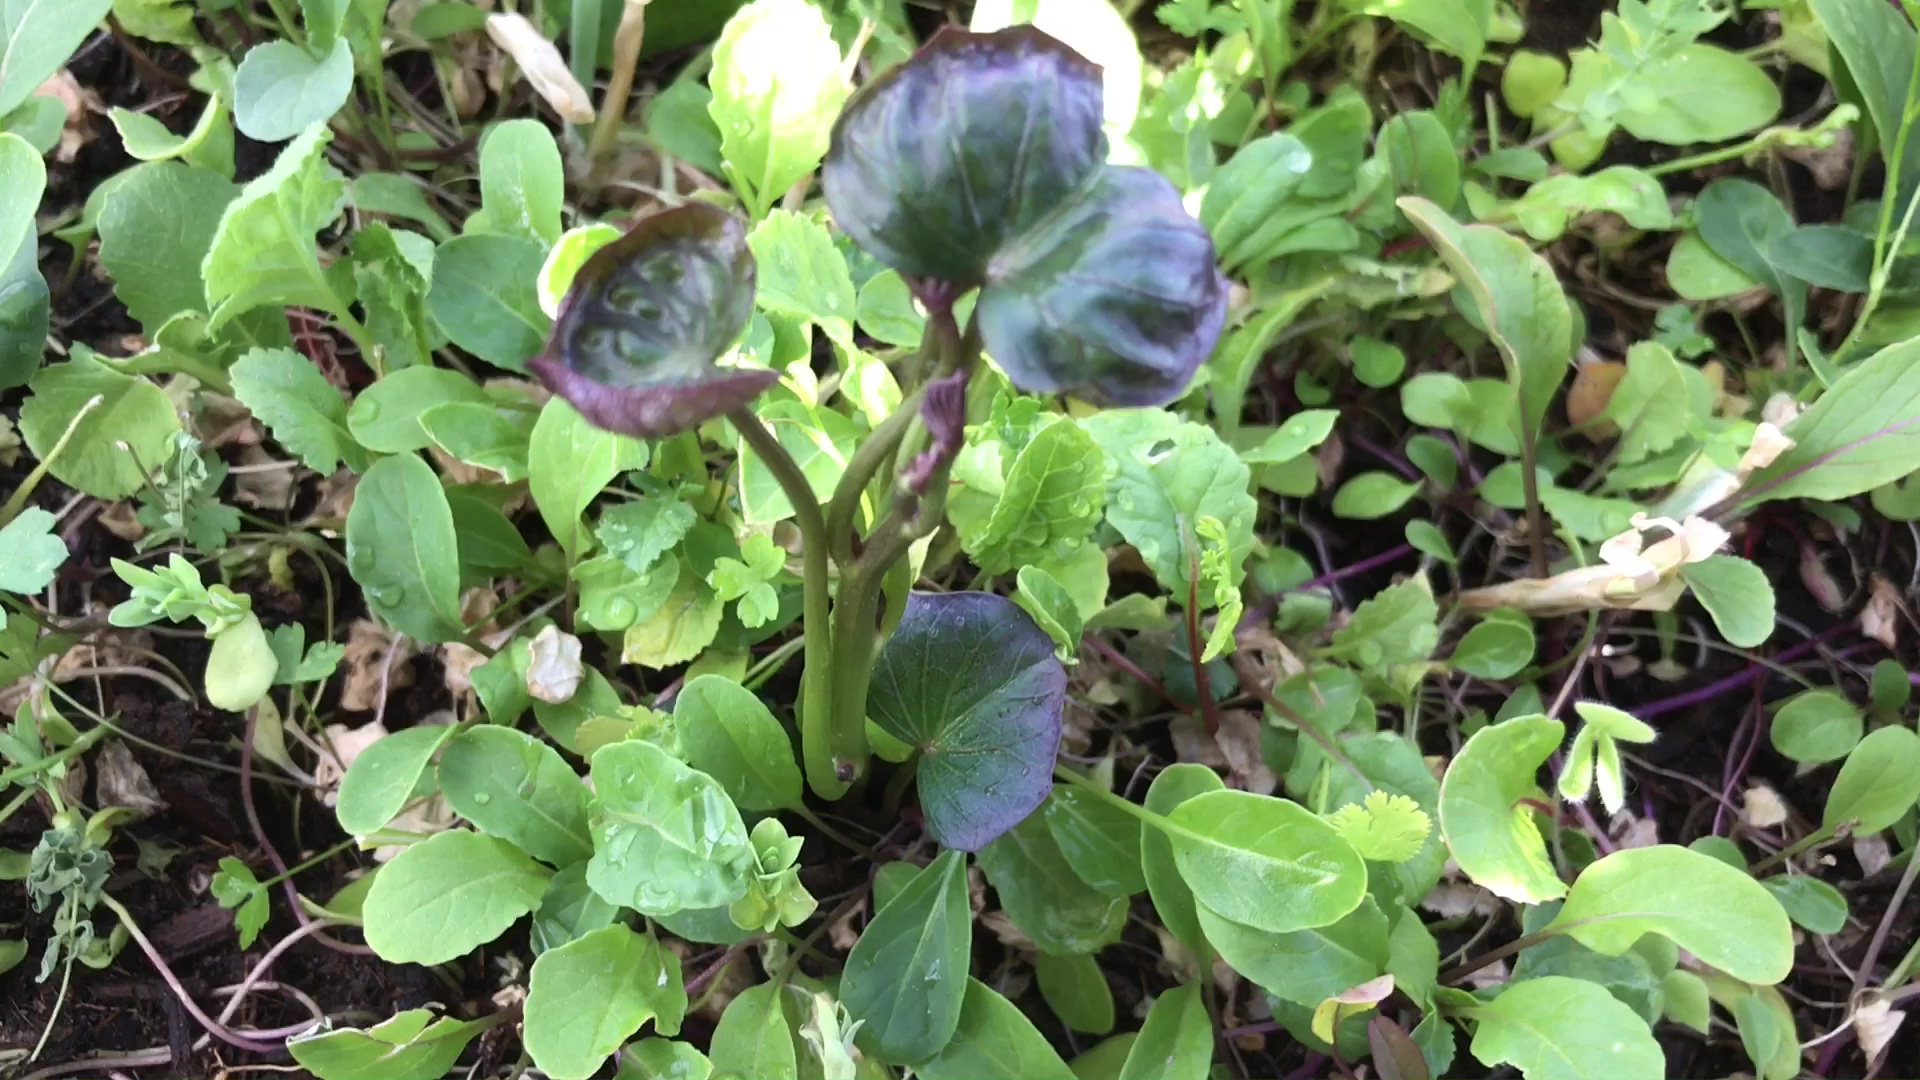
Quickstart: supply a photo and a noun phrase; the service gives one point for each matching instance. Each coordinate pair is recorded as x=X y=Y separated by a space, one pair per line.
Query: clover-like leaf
x=969 y=680
x=1114 y=297
x=934 y=166
x=635 y=344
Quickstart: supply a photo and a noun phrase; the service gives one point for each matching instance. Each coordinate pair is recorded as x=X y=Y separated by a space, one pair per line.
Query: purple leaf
x=635 y=345
x=939 y=162
x=973 y=684
x=944 y=410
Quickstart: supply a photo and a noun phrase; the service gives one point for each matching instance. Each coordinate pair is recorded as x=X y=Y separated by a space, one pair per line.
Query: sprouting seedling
x=977 y=166
x=1594 y=760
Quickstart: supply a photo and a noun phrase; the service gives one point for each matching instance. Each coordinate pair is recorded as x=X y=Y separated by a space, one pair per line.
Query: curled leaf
x=939 y=162
x=1627 y=576
x=635 y=344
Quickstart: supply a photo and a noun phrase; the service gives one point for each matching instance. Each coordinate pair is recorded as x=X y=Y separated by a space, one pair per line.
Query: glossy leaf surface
x=938 y=163
x=635 y=345
x=971 y=681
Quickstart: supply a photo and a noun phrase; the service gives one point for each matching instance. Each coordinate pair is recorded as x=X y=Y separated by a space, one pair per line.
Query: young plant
x=977 y=171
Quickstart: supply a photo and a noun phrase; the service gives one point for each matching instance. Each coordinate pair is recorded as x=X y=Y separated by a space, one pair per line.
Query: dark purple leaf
x=647 y=316
x=1114 y=298
x=972 y=683
x=939 y=162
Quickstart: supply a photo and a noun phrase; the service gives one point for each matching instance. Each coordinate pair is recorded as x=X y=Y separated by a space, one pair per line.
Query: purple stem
x=1373 y=562
x=1400 y=464
x=1703 y=694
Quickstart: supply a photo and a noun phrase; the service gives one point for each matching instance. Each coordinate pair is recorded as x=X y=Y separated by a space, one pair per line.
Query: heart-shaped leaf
x=635 y=345
x=939 y=162
x=1114 y=297
x=973 y=684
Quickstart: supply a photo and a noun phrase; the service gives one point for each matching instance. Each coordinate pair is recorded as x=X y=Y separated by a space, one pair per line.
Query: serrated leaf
x=1383 y=827
x=30 y=552
x=303 y=411
x=585 y=998
x=264 y=250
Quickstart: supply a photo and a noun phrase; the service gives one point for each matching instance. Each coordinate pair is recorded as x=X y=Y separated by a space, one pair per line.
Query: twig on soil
x=273 y=853
x=98 y=1066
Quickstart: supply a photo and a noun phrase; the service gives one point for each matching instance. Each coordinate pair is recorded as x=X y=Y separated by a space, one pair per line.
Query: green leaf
x=1074 y=988
x=1053 y=609
x=903 y=979
x=1811 y=903
x=586 y=997
x=1877 y=46
x=1816 y=726
x=1556 y=1028
x=522 y=184
x=1172 y=900
x=777 y=86
x=563 y=263
x=1698 y=273
x=1518 y=301
x=386 y=416
x=286 y=392
x=1738 y=596
x=1651 y=404
x=728 y=734
x=40 y=38
x=391 y=270
x=1455 y=26
x=1740 y=220
x=1687 y=1002
x=403 y=551
x=969 y=680
x=281 y=90
x=1497 y=648
x=1099 y=841
x=512 y=785
x=1767 y=1032
x=662 y=1059
x=1701 y=94
x=665 y=837
x=1300 y=433
x=24 y=299
x=994 y=1039
x=133 y=413
x=263 y=251
x=1397 y=625
x=30 y=552
x=1053 y=495
x=479 y=435
x=1176 y=1041
x=1265 y=862
x=155 y=228
x=1044 y=897
x=568 y=462
x=445 y=896
x=405 y=1045
x=1493 y=835
x=885 y=310
x=395 y=195
x=1549 y=205
x=1372 y=495
x=679 y=628
x=1863 y=432
x=1164 y=475
x=483 y=297
x=639 y=532
x=381 y=781
x=569 y=910
x=799 y=272
x=1830 y=256
x=753 y=1037
x=1420 y=155
x=1701 y=904
x=240 y=666
x=234 y=886
x=1305 y=966
x=1878 y=783
x=1383 y=827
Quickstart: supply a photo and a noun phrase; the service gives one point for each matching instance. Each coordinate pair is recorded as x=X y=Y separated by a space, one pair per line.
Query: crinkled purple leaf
x=971 y=682
x=635 y=346
x=939 y=162
x=943 y=408
x=1115 y=297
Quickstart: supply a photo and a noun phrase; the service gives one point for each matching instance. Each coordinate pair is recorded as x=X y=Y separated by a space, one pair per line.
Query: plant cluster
x=881 y=581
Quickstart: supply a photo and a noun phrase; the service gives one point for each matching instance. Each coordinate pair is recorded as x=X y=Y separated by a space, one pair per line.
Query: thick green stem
x=819 y=741
x=859 y=473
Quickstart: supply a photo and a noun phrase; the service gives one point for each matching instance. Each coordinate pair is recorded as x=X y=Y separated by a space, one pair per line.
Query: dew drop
x=368 y=408
x=481 y=798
